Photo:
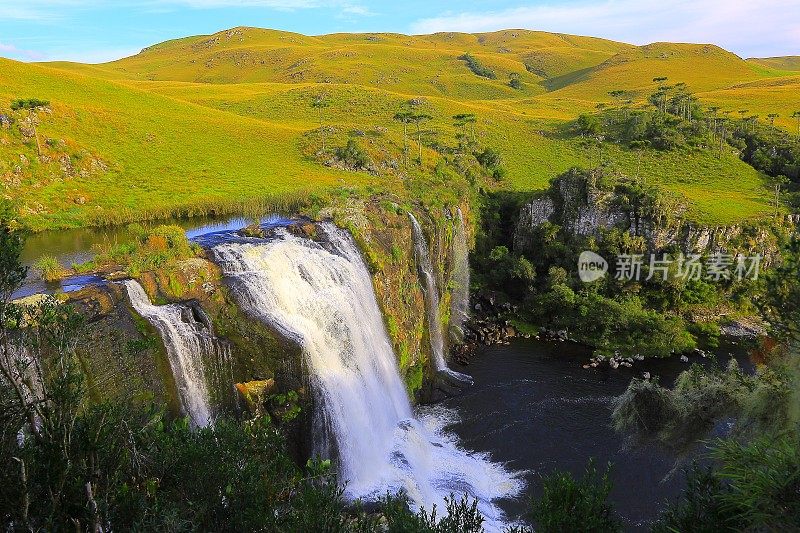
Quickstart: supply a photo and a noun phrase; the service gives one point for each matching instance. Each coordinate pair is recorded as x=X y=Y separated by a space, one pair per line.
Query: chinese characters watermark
x=716 y=267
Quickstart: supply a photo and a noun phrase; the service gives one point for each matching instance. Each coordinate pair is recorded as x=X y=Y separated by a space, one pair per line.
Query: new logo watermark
x=591 y=267
x=634 y=267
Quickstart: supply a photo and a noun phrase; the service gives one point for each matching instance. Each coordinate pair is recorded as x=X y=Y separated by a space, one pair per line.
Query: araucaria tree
x=461 y=122
x=320 y=102
x=404 y=117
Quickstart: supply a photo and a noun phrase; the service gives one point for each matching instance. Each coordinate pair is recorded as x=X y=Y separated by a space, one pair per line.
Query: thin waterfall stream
x=320 y=294
x=431 y=293
x=459 y=298
x=190 y=344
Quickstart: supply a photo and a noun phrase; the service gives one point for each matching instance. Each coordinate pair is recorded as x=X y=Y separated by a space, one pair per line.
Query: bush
x=353 y=156
x=569 y=504
x=764 y=402
x=754 y=489
x=50 y=269
x=510 y=272
x=461 y=516
x=611 y=325
x=151 y=248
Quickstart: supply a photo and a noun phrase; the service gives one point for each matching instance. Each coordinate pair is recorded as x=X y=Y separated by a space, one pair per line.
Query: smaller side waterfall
x=189 y=342
x=425 y=268
x=459 y=298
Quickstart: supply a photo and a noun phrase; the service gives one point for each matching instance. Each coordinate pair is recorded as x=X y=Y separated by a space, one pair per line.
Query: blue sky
x=101 y=30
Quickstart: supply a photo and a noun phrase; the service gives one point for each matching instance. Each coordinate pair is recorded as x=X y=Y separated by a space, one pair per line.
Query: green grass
x=221 y=123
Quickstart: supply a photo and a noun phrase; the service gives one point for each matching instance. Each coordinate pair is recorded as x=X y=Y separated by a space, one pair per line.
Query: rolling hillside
x=225 y=119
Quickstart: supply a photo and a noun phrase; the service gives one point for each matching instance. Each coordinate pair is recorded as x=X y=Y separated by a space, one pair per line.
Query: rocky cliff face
x=125 y=359
x=583 y=208
x=382 y=231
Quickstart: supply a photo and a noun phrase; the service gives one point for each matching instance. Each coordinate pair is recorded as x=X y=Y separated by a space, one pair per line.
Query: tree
x=589 y=125
x=618 y=95
x=32 y=105
x=639 y=146
x=780 y=304
x=404 y=116
x=713 y=110
x=461 y=121
x=753 y=119
x=320 y=102
x=418 y=119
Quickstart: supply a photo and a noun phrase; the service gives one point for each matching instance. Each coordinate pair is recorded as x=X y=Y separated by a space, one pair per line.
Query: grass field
x=221 y=122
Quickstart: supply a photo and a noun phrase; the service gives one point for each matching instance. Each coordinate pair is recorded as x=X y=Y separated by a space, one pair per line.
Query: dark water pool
x=534 y=408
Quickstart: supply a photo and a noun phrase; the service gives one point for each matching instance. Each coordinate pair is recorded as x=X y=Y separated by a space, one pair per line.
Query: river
x=536 y=409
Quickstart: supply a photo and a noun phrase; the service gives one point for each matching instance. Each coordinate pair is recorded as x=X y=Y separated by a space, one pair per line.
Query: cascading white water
x=459 y=297
x=322 y=297
x=431 y=293
x=188 y=341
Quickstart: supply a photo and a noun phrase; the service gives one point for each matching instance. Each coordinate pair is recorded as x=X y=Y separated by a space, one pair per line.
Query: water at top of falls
x=187 y=342
x=321 y=295
x=459 y=298
x=431 y=293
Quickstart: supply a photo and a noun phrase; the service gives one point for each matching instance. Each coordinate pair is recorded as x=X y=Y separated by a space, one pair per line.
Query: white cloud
x=747 y=27
x=12 y=52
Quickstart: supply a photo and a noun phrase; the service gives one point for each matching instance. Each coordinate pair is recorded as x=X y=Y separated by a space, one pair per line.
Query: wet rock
x=253 y=230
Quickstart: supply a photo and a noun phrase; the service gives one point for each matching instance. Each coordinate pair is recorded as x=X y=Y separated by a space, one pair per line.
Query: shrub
x=754 y=489
x=50 y=269
x=353 y=156
x=152 y=248
x=461 y=516
x=569 y=504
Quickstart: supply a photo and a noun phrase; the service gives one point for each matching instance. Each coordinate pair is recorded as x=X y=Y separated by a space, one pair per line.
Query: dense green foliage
x=28 y=103
x=677 y=121
x=352 y=155
x=773 y=152
x=755 y=488
x=780 y=304
x=477 y=67
x=763 y=402
x=570 y=504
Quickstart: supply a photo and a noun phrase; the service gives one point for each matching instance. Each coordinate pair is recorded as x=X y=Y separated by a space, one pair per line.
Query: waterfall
x=431 y=294
x=321 y=295
x=189 y=343
x=459 y=297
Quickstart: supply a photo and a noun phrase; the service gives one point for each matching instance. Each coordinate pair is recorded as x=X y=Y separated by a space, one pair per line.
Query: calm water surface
x=535 y=408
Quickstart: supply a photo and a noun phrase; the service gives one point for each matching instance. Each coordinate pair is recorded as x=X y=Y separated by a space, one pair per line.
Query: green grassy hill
x=778 y=63
x=222 y=120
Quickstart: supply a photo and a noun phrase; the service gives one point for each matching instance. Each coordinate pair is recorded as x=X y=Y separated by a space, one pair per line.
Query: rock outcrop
x=582 y=206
